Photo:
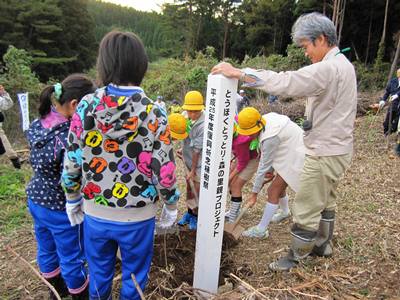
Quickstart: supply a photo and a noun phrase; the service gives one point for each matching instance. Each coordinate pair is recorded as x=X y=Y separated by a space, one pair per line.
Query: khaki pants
x=317 y=191
x=247 y=173
x=11 y=154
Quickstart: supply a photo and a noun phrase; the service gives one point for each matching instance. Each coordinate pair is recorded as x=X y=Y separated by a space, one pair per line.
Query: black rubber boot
x=302 y=244
x=16 y=163
x=323 y=243
x=84 y=295
x=60 y=286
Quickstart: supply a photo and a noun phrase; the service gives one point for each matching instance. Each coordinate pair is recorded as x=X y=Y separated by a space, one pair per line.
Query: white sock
x=284 y=204
x=269 y=211
x=234 y=211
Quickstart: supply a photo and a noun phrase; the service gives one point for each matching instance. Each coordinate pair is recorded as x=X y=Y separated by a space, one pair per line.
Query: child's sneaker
x=193 y=222
x=279 y=216
x=185 y=219
x=254 y=232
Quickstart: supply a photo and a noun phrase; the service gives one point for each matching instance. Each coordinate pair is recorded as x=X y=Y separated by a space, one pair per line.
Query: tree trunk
x=334 y=11
x=384 y=23
x=381 y=47
x=396 y=57
x=355 y=51
x=369 y=35
x=342 y=14
x=226 y=29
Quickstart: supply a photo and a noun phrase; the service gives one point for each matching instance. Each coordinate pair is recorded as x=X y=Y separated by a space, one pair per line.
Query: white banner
x=216 y=156
x=24 y=105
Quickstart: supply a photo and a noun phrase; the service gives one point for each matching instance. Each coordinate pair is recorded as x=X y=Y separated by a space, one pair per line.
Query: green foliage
x=17 y=77
x=294 y=60
x=57 y=34
x=12 y=198
x=371 y=78
x=158 y=40
x=172 y=78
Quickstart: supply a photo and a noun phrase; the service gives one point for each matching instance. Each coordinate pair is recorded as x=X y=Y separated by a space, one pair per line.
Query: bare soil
x=365 y=265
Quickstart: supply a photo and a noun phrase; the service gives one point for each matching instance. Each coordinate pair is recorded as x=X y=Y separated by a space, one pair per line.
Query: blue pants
x=59 y=247
x=102 y=239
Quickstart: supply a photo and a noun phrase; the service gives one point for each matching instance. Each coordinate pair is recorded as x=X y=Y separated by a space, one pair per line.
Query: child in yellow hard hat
x=243 y=167
x=281 y=147
x=192 y=147
x=175 y=107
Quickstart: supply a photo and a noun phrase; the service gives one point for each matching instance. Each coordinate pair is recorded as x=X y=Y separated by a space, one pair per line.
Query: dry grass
x=365 y=265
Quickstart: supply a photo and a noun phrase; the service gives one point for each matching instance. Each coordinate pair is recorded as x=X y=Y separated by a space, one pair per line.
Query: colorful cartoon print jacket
x=47 y=147
x=119 y=157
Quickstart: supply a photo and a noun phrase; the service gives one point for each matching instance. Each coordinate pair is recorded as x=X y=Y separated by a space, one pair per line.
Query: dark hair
x=75 y=86
x=122 y=59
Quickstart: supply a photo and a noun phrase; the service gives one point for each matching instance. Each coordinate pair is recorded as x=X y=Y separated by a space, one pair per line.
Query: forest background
x=42 y=41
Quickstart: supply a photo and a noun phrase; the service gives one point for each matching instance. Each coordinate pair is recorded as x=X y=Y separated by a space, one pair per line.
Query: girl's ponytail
x=45 y=101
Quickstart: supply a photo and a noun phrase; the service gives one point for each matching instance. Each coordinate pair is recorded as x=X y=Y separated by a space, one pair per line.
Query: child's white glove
x=74 y=211
x=168 y=217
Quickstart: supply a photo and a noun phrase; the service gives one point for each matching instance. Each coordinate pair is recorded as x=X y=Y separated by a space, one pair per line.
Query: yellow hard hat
x=250 y=121
x=193 y=101
x=177 y=126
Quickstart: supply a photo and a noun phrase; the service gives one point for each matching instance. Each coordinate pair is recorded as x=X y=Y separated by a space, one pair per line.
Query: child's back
x=126 y=148
x=194 y=143
x=47 y=144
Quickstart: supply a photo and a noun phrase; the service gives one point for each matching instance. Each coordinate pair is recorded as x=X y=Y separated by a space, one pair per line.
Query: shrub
x=16 y=76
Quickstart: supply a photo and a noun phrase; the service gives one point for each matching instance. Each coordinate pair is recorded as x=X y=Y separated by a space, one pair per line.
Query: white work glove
x=74 y=211
x=393 y=97
x=168 y=217
x=381 y=104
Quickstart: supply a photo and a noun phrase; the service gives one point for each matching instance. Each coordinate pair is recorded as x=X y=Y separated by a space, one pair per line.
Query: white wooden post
x=217 y=145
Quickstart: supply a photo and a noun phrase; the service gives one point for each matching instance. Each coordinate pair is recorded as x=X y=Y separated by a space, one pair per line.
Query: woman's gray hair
x=311 y=26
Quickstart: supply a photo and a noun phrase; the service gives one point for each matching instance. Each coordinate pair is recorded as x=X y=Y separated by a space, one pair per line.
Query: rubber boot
x=59 y=284
x=84 y=295
x=323 y=242
x=303 y=242
x=16 y=163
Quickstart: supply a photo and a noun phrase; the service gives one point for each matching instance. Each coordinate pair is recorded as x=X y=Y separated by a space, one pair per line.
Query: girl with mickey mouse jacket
x=119 y=162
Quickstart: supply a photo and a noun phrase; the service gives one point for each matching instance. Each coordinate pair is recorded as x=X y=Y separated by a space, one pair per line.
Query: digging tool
x=378 y=110
x=389 y=129
x=234 y=230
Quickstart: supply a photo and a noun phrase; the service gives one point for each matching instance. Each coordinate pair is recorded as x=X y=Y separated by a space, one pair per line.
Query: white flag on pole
x=24 y=105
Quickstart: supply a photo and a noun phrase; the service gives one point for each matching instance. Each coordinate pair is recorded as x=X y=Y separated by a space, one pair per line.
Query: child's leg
x=236 y=197
x=191 y=203
x=136 y=244
x=275 y=190
x=69 y=241
x=236 y=188
x=100 y=251
x=47 y=257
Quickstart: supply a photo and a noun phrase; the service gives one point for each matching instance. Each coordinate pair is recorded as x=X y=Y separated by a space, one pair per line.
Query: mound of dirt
x=173 y=264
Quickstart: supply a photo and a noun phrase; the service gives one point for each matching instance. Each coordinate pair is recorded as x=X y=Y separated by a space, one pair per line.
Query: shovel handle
x=243 y=211
x=192 y=187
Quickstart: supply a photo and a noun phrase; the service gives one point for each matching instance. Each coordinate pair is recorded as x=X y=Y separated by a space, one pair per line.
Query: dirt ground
x=365 y=265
